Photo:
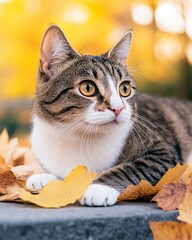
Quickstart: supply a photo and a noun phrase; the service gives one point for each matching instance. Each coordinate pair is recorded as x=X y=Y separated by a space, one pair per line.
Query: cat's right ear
x=120 y=51
x=55 y=49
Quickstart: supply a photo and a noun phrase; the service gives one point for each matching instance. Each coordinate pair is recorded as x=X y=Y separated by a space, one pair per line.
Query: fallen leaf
x=4 y=139
x=31 y=161
x=170 y=196
x=4 y=167
x=9 y=186
x=171 y=231
x=172 y=175
x=22 y=172
x=185 y=208
x=186 y=177
x=1 y=160
x=145 y=189
x=11 y=148
x=59 y=193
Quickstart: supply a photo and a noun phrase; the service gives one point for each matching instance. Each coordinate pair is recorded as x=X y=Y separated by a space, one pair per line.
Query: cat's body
x=122 y=135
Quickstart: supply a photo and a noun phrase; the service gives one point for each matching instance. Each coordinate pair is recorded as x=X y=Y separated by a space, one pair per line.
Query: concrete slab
x=126 y=220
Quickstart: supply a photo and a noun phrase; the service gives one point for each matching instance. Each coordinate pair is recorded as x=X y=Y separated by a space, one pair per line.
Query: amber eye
x=88 y=88
x=124 y=89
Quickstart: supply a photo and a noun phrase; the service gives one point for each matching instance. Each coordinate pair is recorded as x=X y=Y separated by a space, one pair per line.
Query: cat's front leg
x=37 y=181
x=107 y=187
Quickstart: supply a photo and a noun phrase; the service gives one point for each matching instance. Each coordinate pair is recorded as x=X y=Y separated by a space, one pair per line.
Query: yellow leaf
x=172 y=175
x=171 y=231
x=185 y=207
x=4 y=139
x=59 y=193
x=145 y=189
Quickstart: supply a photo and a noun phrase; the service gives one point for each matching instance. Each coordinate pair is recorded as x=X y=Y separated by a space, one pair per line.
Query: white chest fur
x=60 y=157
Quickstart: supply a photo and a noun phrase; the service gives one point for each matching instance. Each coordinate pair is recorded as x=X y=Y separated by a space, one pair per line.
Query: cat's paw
x=99 y=195
x=38 y=181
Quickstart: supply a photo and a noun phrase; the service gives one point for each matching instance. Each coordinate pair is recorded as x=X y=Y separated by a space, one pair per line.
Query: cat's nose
x=116 y=110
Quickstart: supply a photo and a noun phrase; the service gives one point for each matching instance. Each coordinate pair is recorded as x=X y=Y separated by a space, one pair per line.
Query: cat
x=87 y=111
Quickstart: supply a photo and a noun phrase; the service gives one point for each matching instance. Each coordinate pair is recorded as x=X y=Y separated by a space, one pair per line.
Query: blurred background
x=160 y=59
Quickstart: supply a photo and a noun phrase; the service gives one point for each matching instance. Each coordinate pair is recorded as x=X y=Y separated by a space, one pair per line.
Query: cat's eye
x=124 y=89
x=88 y=88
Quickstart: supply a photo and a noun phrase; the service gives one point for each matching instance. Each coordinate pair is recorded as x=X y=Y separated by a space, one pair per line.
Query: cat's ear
x=55 y=49
x=121 y=50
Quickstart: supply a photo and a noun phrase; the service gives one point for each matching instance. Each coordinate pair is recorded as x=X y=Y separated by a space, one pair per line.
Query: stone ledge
x=126 y=220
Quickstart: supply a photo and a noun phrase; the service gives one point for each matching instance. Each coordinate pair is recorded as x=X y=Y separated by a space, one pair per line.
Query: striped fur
x=157 y=135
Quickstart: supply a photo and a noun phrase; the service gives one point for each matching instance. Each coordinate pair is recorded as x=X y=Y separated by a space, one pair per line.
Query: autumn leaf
x=59 y=193
x=185 y=208
x=171 y=231
x=186 y=177
x=170 y=196
x=4 y=139
x=145 y=189
x=9 y=186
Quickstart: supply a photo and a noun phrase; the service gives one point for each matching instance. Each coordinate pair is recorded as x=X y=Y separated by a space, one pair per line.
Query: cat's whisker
x=150 y=130
x=146 y=120
x=144 y=134
x=136 y=130
x=83 y=139
x=75 y=126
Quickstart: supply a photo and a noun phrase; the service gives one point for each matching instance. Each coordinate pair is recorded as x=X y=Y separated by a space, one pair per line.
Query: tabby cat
x=87 y=111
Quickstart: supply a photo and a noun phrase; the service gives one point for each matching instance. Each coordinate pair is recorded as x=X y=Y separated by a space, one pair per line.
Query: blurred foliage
x=161 y=53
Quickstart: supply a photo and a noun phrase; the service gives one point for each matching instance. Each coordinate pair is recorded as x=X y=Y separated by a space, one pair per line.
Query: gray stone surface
x=126 y=220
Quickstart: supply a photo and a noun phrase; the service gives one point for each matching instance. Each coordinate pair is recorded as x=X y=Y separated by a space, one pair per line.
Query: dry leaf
x=22 y=172
x=4 y=139
x=1 y=160
x=171 y=231
x=4 y=167
x=186 y=178
x=170 y=196
x=59 y=193
x=185 y=208
x=9 y=186
x=144 y=188
x=11 y=148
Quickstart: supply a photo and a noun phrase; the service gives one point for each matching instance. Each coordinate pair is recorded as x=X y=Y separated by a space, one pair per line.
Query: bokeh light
x=160 y=59
x=168 y=17
x=142 y=14
x=168 y=49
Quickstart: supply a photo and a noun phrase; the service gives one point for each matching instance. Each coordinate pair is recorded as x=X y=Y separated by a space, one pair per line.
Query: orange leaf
x=185 y=208
x=59 y=193
x=171 y=231
x=170 y=196
x=144 y=188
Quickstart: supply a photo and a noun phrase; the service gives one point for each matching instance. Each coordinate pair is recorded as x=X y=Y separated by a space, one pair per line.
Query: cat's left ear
x=121 y=50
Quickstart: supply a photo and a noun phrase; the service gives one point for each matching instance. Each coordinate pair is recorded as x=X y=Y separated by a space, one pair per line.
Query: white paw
x=38 y=181
x=99 y=195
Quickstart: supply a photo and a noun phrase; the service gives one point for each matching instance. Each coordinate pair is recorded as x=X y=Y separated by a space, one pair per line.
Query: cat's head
x=83 y=90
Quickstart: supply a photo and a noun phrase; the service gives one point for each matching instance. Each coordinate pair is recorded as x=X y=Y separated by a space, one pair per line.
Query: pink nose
x=117 y=110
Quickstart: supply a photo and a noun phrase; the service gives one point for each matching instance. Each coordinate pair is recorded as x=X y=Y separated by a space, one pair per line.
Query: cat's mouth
x=107 y=122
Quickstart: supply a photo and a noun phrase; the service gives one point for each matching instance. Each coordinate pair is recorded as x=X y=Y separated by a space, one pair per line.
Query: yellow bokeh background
x=92 y=26
x=160 y=59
